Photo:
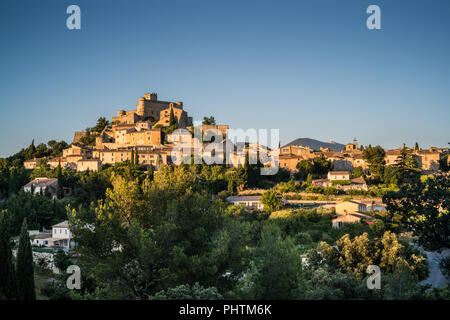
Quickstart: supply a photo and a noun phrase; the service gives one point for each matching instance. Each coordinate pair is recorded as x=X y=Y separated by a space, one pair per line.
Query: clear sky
x=310 y=68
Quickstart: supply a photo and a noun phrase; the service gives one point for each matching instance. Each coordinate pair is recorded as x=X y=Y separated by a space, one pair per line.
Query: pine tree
x=25 y=272
x=8 y=289
x=407 y=165
x=13 y=183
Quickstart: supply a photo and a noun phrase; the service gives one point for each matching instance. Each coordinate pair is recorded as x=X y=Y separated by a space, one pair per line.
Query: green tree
x=357 y=172
x=391 y=175
x=276 y=268
x=30 y=153
x=424 y=208
x=375 y=158
x=309 y=180
x=62 y=260
x=8 y=287
x=102 y=123
x=209 y=121
x=4 y=177
x=321 y=166
x=305 y=168
x=59 y=176
x=408 y=168
x=25 y=271
x=444 y=163
x=271 y=201
x=172 y=120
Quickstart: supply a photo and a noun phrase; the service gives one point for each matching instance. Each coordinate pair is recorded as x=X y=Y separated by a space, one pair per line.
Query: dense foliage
x=170 y=234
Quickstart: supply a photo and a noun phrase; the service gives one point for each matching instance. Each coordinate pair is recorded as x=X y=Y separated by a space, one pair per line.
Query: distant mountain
x=316 y=144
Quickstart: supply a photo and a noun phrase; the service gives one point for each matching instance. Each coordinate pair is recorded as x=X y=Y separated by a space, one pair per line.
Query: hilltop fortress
x=149 y=108
x=145 y=136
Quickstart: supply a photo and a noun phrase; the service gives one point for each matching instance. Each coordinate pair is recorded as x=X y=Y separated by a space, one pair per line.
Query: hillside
x=316 y=144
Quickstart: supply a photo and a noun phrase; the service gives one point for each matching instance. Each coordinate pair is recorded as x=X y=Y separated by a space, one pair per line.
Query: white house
x=250 y=202
x=338 y=175
x=60 y=237
x=42 y=184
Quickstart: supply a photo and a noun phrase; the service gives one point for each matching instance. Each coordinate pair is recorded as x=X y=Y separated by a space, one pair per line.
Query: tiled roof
x=64 y=224
x=338 y=172
x=359 y=180
x=243 y=198
x=41 y=182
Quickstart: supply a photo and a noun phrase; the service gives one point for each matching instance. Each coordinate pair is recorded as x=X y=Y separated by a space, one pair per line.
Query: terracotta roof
x=41 y=182
x=393 y=152
x=359 y=180
x=338 y=172
x=33 y=160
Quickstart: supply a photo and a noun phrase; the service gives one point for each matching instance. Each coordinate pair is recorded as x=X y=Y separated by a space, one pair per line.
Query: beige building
x=154 y=110
x=350 y=212
x=392 y=157
x=151 y=137
x=304 y=152
x=428 y=160
x=354 y=217
x=30 y=164
x=338 y=175
x=350 y=206
x=66 y=162
x=88 y=164
x=75 y=150
x=289 y=162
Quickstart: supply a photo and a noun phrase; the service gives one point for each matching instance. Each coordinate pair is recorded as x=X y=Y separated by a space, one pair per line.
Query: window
x=65 y=231
x=55 y=231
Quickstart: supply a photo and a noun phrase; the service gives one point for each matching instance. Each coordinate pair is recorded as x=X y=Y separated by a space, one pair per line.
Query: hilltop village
x=149 y=134
x=116 y=198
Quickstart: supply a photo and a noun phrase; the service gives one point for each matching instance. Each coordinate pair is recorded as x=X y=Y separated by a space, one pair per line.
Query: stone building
x=154 y=110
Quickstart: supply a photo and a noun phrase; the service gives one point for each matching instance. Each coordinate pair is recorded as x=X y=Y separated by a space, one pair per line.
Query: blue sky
x=310 y=68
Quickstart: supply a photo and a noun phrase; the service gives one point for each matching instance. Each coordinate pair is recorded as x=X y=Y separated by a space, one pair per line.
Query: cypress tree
x=136 y=159
x=8 y=289
x=25 y=272
x=171 y=118
x=60 y=191
x=132 y=157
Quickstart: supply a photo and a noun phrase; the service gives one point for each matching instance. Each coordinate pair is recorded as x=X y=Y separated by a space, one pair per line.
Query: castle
x=149 y=108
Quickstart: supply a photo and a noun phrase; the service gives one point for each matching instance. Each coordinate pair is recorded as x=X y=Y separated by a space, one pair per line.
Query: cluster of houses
x=351 y=157
x=346 y=212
